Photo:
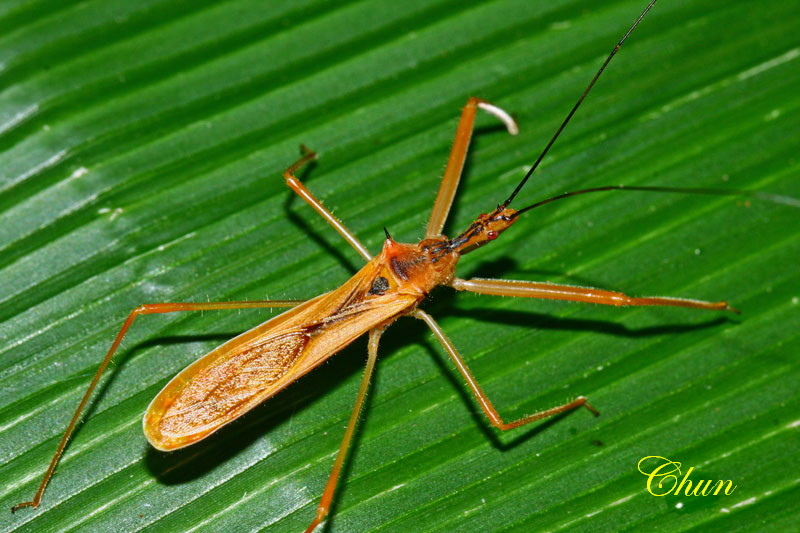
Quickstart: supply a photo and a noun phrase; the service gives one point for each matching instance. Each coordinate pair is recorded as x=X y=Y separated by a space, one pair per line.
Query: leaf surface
x=142 y=145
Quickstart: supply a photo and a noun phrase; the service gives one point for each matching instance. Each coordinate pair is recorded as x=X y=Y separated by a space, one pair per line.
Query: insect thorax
x=419 y=267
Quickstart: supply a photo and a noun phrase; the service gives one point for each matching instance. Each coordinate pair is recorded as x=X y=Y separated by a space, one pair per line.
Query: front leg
x=302 y=191
x=552 y=291
x=455 y=163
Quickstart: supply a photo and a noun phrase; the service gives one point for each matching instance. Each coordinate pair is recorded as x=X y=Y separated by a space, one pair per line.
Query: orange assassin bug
x=254 y=366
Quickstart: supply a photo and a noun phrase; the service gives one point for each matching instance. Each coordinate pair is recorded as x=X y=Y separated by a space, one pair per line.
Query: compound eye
x=491 y=235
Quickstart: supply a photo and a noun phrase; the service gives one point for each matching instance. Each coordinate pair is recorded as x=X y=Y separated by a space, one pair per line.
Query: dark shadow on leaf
x=419 y=334
x=608 y=327
x=506 y=268
x=443 y=304
x=186 y=339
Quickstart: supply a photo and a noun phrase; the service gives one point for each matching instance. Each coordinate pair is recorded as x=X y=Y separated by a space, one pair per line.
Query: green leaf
x=142 y=150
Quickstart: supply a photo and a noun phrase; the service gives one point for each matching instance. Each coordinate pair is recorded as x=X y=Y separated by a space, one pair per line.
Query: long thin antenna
x=577 y=105
x=769 y=197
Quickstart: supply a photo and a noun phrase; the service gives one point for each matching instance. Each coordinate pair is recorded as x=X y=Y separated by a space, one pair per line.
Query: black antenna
x=577 y=105
x=769 y=197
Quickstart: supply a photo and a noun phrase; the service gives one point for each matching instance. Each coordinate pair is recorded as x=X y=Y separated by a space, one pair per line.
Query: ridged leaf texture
x=142 y=145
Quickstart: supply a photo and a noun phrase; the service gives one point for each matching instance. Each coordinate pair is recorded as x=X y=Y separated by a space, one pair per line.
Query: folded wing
x=245 y=371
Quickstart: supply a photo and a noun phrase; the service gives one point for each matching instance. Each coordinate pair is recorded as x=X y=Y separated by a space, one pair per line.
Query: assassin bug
x=245 y=371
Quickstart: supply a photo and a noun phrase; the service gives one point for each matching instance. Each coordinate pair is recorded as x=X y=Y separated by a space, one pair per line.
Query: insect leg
x=455 y=164
x=297 y=186
x=147 y=309
x=333 y=479
x=551 y=291
x=483 y=400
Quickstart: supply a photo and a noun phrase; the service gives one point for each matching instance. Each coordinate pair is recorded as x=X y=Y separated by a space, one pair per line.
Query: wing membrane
x=245 y=371
x=220 y=391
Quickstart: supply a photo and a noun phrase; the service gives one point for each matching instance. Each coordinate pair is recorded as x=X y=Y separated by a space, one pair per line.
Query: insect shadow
x=196 y=461
x=444 y=303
